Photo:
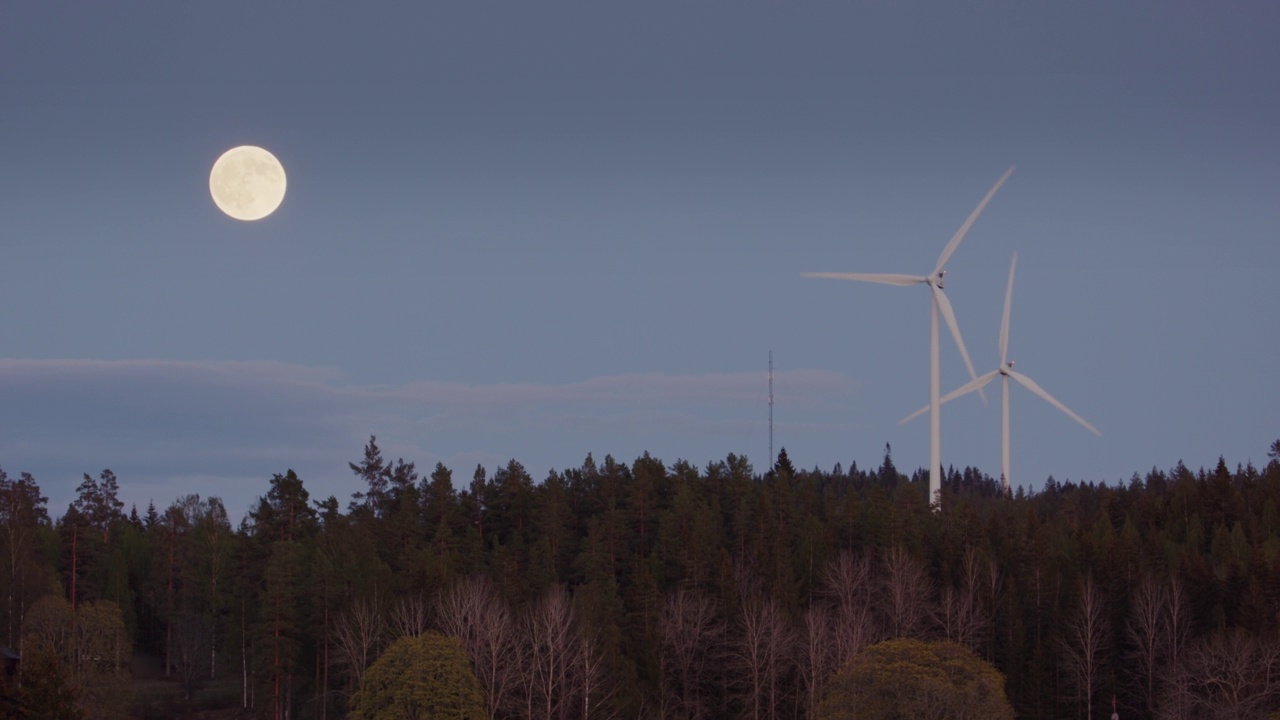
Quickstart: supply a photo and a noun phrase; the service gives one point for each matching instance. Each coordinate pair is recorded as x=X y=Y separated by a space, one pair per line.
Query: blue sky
x=538 y=230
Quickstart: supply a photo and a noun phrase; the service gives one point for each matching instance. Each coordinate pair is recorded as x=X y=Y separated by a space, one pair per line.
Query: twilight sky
x=538 y=230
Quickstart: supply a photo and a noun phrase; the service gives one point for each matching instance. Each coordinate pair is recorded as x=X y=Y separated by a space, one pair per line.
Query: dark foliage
x=1078 y=593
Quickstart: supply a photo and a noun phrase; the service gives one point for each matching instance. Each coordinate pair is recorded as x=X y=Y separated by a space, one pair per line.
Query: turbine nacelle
x=1005 y=369
x=938 y=279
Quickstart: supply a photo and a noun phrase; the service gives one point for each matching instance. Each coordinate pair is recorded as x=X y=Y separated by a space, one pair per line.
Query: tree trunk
x=276 y=662
x=324 y=685
x=168 y=624
x=74 y=533
x=244 y=657
x=213 y=626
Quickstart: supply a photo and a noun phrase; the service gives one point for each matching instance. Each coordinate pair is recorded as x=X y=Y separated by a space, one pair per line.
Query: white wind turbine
x=1005 y=371
x=938 y=302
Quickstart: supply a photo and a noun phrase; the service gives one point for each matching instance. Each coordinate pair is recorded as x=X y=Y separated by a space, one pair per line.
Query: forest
x=654 y=590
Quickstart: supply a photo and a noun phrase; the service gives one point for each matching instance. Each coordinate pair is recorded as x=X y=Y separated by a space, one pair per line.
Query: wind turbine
x=1006 y=371
x=938 y=303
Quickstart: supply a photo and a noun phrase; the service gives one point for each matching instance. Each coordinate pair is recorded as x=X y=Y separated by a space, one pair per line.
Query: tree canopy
x=615 y=588
x=420 y=678
x=909 y=679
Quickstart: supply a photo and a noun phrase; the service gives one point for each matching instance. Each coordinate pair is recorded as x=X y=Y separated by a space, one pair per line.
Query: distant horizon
x=462 y=476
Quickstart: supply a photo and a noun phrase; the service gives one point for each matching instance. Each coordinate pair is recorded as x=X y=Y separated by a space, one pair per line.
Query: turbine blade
x=1031 y=385
x=1004 y=323
x=885 y=278
x=916 y=414
x=965 y=389
x=955 y=239
x=949 y=315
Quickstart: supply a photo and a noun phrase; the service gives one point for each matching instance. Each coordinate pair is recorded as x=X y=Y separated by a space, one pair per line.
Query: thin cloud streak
x=169 y=428
x=806 y=387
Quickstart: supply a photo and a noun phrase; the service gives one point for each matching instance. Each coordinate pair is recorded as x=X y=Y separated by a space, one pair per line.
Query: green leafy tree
x=102 y=660
x=914 y=679
x=420 y=678
x=90 y=642
x=45 y=690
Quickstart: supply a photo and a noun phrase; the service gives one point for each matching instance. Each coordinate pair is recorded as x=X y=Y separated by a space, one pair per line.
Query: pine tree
x=22 y=517
x=374 y=472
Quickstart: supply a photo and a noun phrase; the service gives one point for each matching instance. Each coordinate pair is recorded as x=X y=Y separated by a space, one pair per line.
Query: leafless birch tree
x=1084 y=643
x=190 y=638
x=1173 y=643
x=1227 y=676
x=552 y=654
x=839 y=624
x=594 y=680
x=817 y=654
x=472 y=612
x=692 y=633
x=358 y=633
x=850 y=584
x=908 y=593
x=1147 y=630
x=411 y=616
x=1178 y=614
x=964 y=617
x=763 y=650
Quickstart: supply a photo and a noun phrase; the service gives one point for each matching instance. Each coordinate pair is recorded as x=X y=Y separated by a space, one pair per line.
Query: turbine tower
x=938 y=303
x=1005 y=371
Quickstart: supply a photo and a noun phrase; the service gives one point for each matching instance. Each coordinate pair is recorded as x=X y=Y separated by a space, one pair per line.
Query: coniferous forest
x=645 y=590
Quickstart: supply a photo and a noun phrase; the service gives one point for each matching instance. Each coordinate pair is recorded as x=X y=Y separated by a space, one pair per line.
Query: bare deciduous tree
x=817 y=654
x=994 y=583
x=357 y=634
x=594 y=680
x=1147 y=631
x=763 y=650
x=1178 y=612
x=850 y=583
x=411 y=616
x=552 y=654
x=1227 y=676
x=964 y=617
x=692 y=634
x=908 y=594
x=1173 y=644
x=1084 y=642
x=190 y=637
x=839 y=624
x=472 y=612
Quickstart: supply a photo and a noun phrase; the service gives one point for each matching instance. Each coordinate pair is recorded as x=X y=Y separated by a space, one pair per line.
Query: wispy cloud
x=170 y=427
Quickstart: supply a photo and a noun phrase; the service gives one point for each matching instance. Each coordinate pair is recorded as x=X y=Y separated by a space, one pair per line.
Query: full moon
x=247 y=183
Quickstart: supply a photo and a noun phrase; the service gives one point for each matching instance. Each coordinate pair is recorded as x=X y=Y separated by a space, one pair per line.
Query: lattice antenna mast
x=771 y=407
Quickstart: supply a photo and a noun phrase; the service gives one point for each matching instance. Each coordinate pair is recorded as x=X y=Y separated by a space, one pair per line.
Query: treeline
x=655 y=590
